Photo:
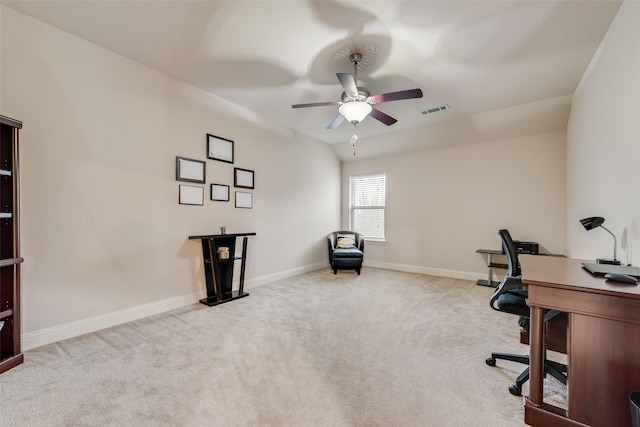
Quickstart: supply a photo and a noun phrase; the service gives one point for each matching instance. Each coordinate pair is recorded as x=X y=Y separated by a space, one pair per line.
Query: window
x=366 y=205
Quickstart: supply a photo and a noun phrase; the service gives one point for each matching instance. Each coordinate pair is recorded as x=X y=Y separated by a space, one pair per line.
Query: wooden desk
x=603 y=351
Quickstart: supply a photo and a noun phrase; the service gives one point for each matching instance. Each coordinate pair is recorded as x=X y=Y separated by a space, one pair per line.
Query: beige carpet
x=380 y=349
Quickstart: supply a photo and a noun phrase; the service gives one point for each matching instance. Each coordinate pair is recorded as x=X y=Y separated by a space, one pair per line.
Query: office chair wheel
x=491 y=361
x=515 y=390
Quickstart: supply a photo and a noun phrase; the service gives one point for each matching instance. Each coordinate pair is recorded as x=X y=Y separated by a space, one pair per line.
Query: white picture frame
x=244 y=200
x=191 y=195
x=220 y=149
x=243 y=178
x=220 y=192
x=190 y=170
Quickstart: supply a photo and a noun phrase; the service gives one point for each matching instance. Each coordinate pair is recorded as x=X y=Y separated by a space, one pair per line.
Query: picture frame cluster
x=193 y=171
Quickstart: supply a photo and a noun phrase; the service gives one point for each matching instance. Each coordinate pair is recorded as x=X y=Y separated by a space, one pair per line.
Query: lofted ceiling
x=504 y=68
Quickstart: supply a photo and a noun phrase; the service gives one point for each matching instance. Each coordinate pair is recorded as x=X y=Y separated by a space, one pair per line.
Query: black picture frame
x=190 y=170
x=244 y=200
x=220 y=192
x=220 y=149
x=243 y=178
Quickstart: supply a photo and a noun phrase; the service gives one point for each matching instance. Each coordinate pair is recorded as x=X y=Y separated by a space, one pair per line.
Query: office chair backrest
x=512 y=253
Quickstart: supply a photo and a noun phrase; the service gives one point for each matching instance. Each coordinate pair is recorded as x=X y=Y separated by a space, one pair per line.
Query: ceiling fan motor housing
x=363 y=96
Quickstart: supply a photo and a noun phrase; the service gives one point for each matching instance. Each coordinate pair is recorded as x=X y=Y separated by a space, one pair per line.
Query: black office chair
x=511 y=297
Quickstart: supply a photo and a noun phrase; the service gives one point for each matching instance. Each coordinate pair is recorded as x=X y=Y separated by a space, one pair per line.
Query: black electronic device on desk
x=621 y=278
x=616 y=271
x=526 y=248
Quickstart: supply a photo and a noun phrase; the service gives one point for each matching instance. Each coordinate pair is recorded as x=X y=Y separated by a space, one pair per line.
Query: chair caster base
x=490 y=361
x=515 y=390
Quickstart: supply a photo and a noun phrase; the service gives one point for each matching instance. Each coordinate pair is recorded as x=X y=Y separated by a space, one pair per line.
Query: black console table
x=218 y=270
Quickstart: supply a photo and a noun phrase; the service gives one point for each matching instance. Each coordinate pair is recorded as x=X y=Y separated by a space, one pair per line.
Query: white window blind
x=367 y=205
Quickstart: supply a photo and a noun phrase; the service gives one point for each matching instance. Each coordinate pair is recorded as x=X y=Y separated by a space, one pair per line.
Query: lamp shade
x=595 y=222
x=355 y=111
x=592 y=222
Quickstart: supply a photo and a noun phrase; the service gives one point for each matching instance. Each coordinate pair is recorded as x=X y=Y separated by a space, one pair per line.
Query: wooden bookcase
x=10 y=260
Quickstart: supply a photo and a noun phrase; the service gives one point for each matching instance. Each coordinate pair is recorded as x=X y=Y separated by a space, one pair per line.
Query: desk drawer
x=612 y=307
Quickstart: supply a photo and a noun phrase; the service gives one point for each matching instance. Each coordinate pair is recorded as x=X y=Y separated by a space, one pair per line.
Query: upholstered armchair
x=346 y=250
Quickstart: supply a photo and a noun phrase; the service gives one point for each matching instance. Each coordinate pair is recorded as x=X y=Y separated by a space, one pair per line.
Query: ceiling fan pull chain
x=353 y=140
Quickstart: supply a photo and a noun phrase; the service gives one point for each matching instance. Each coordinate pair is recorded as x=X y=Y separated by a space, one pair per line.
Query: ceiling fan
x=356 y=102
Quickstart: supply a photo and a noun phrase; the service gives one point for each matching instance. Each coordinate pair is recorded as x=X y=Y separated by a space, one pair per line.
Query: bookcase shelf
x=10 y=259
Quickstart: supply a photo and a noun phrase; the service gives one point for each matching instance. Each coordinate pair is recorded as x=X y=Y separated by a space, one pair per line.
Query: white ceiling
x=503 y=67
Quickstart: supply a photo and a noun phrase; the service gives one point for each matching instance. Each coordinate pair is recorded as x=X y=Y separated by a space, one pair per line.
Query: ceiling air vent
x=436 y=109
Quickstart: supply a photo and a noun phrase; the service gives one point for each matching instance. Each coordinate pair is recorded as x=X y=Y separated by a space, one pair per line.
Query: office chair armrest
x=330 y=247
x=508 y=284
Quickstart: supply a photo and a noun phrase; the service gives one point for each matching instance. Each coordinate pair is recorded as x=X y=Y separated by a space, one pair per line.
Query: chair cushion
x=514 y=302
x=347 y=253
x=346 y=242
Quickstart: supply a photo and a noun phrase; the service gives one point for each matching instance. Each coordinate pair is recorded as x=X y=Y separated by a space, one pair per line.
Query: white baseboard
x=455 y=274
x=73 y=329
x=263 y=280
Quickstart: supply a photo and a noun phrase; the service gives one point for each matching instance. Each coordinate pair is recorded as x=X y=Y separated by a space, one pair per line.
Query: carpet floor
x=381 y=349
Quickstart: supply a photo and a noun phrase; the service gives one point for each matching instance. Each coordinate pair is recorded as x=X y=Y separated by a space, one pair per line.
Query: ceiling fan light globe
x=355 y=111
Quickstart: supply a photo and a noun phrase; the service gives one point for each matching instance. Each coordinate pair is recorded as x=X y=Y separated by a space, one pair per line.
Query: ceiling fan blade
x=397 y=96
x=336 y=122
x=348 y=83
x=382 y=117
x=314 y=104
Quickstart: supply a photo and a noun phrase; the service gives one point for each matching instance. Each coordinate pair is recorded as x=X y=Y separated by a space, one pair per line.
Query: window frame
x=353 y=207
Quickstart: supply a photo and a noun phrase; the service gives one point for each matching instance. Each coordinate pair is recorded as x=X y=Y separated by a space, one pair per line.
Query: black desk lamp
x=597 y=221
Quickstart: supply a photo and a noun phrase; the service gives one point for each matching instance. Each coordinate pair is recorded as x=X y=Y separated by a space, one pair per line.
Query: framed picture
x=244 y=200
x=242 y=178
x=220 y=149
x=220 y=192
x=190 y=195
x=190 y=170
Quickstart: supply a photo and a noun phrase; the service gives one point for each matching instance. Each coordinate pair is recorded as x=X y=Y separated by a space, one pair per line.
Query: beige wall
x=444 y=204
x=103 y=236
x=603 y=145
x=105 y=240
